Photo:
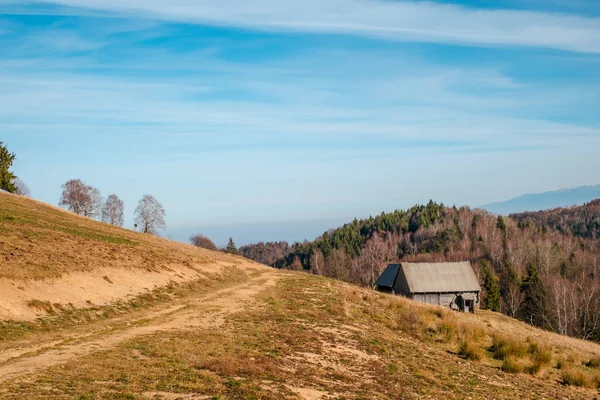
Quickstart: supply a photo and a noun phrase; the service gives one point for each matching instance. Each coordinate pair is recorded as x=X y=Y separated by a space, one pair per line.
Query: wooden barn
x=452 y=285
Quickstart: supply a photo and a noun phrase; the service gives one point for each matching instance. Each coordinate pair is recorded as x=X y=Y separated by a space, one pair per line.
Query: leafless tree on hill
x=588 y=308
x=80 y=198
x=21 y=188
x=367 y=267
x=95 y=208
x=112 y=211
x=150 y=215
x=203 y=242
x=513 y=299
x=336 y=265
x=317 y=262
x=296 y=265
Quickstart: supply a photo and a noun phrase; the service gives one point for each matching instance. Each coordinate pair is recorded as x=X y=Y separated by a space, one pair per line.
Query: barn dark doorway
x=469 y=306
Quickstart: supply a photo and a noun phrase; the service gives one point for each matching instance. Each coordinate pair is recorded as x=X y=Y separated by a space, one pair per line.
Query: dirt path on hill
x=207 y=310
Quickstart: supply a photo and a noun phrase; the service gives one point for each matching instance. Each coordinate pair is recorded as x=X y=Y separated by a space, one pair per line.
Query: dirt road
x=191 y=312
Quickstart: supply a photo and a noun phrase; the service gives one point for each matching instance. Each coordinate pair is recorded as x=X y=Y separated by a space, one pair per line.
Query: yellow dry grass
x=39 y=241
x=312 y=338
x=258 y=333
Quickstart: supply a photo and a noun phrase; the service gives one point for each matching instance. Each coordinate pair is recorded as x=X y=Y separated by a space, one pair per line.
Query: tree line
x=581 y=221
x=541 y=275
x=86 y=200
x=202 y=241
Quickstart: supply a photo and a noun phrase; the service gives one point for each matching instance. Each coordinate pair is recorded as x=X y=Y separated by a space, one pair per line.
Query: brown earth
x=208 y=311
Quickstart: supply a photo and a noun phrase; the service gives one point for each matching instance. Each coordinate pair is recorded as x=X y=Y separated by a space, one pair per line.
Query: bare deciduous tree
x=95 y=207
x=296 y=265
x=513 y=299
x=80 y=198
x=203 y=242
x=564 y=304
x=336 y=265
x=367 y=267
x=112 y=211
x=150 y=215
x=588 y=310
x=21 y=188
x=317 y=262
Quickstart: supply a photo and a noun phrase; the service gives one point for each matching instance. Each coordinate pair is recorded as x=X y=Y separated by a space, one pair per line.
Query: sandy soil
x=30 y=357
x=98 y=287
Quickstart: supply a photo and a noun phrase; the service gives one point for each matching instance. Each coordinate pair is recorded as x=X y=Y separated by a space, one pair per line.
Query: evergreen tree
x=513 y=276
x=500 y=224
x=492 y=289
x=6 y=176
x=534 y=305
x=231 y=249
x=531 y=277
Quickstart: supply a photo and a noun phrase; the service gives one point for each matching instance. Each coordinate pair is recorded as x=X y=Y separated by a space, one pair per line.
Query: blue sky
x=278 y=119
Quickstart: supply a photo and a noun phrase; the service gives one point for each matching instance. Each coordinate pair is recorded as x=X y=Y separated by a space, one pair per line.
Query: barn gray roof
x=388 y=277
x=440 y=277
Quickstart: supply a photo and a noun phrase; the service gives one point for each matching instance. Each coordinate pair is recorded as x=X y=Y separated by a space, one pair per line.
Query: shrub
x=511 y=365
x=575 y=377
x=561 y=363
x=469 y=350
x=593 y=363
x=534 y=368
x=471 y=331
x=503 y=347
x=446 y=330
x=540 y=354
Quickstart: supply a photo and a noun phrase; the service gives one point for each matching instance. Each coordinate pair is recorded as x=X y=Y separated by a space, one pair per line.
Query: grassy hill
x=40 y=241
x=231 y=329
x=53 y=261
x=547 y=277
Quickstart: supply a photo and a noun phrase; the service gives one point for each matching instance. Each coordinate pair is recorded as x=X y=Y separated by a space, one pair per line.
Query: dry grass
x=470 y=350
x=593 y=363
x=39 y=241
x=577 y=377
x=305 y=335
x=312 y=335
x=511 y=365
x=45 y=306
x=504 y=347
x=60 y=319
x=540 y=354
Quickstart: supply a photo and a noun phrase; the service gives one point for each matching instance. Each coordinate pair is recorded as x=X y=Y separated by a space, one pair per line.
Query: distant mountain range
x=545 y=201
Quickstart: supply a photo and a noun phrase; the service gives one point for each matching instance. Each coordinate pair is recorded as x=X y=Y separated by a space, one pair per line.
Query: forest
x=539 y=267
x=582 y=221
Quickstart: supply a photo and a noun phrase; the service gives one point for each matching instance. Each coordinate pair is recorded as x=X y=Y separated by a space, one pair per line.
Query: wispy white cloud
x=397 y=20
x=61 y=40
x=424 y=108
x=124 y=112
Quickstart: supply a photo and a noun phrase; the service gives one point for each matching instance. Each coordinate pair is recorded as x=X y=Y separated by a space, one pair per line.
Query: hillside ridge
x=544 y=201
x=55 y=260
x=247 y=331
x=522 y=267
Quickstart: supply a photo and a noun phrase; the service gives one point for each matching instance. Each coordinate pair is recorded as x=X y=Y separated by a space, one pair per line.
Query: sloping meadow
x=310 y=337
